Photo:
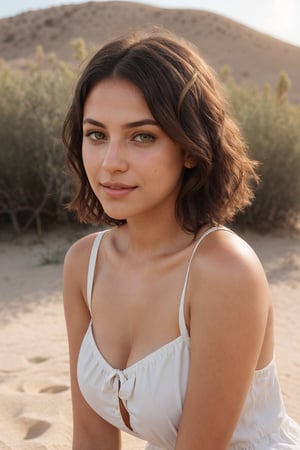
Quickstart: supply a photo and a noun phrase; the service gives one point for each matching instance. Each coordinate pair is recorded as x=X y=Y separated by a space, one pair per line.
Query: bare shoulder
x=223 y=255
x=76 y=263
x=80 y=249
x=228 y=308
x=228 y=270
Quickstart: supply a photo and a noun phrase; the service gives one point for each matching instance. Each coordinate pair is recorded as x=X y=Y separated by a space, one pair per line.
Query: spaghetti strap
x=182 y=324
x=91 y=267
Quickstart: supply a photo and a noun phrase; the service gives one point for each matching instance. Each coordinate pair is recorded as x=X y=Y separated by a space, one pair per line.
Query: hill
x=252 y=56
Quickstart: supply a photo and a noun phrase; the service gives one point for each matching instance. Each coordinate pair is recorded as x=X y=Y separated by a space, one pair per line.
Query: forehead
x=116 y=98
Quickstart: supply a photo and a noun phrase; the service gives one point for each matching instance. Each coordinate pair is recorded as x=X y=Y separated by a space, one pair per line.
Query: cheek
x=85 y=162
x=88 y=158
x=89 y=165
x=169 y=175
x=171 y=161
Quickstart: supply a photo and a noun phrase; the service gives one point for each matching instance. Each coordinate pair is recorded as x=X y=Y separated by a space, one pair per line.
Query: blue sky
x=280 y=18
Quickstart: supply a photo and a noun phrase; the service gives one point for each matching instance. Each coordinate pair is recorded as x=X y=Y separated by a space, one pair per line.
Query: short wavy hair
x=184 y=97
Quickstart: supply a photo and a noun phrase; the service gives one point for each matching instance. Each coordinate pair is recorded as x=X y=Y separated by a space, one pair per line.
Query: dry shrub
x=271 y=127
x=33 y=182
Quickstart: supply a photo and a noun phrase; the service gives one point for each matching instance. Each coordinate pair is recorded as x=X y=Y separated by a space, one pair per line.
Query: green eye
x=144 y=138
x=95 y=135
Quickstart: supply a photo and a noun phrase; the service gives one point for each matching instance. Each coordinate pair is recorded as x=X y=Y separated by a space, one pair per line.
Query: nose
x=115 y=158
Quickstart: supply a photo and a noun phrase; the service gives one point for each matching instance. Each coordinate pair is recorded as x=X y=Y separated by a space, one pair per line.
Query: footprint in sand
x=37 y=359
x=37 y=429
x=41 y=386
x=54 y=389
x=32 y=428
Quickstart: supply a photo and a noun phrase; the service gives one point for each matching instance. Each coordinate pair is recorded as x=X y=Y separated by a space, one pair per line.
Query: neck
x=151 y=239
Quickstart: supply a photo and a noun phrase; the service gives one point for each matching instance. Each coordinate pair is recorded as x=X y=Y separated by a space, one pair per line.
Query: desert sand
x=35 y=405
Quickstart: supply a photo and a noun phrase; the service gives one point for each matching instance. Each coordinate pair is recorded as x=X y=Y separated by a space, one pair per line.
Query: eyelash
x=149 y=136
x=92 y=136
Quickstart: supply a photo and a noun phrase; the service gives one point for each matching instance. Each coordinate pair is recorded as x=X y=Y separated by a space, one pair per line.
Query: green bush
x=271 y=127
x=34 y=183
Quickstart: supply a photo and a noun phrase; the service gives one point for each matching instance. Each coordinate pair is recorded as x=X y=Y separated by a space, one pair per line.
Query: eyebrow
x=138 y=123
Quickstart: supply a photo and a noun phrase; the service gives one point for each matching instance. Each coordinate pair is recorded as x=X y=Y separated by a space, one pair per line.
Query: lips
x=116 y=190
x=117 y=186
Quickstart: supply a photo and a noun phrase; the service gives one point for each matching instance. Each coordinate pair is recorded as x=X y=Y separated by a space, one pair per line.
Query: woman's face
x=133 y=167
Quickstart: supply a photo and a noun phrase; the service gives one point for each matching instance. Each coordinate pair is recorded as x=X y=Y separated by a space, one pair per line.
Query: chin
x=115 y=216
x=119 y=219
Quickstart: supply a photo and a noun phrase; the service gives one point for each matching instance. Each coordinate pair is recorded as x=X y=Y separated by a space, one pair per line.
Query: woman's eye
x=144 y=138
x=95 y=135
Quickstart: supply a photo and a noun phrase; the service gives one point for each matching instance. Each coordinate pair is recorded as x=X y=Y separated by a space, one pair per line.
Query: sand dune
x=35 y=406
x=253 y=57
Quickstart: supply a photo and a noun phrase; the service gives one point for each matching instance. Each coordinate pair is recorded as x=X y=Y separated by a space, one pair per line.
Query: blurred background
x=253 y=47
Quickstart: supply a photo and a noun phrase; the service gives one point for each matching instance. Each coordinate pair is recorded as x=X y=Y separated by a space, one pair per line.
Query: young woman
x=168 y=312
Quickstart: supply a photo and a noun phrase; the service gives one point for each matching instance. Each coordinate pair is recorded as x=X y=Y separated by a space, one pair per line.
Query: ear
x=189 y=162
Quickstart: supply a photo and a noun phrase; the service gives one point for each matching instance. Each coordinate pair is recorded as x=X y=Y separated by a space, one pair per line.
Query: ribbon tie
x=119 y=382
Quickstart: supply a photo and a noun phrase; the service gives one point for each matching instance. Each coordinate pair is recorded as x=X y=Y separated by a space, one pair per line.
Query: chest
x=135 y=309
x=152 y=390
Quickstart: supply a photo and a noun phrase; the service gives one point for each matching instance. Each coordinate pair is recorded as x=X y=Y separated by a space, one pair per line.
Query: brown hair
x=183 y=96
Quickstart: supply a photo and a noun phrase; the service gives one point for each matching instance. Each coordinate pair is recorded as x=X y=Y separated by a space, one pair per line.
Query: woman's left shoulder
x=227 y=267
x=225 y=252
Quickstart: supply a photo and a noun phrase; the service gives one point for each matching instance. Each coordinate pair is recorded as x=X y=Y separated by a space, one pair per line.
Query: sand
x=35 y=405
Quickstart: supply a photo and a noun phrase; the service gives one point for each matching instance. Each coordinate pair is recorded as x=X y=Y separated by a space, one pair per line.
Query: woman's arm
x=90 y=431
x=229 y=304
